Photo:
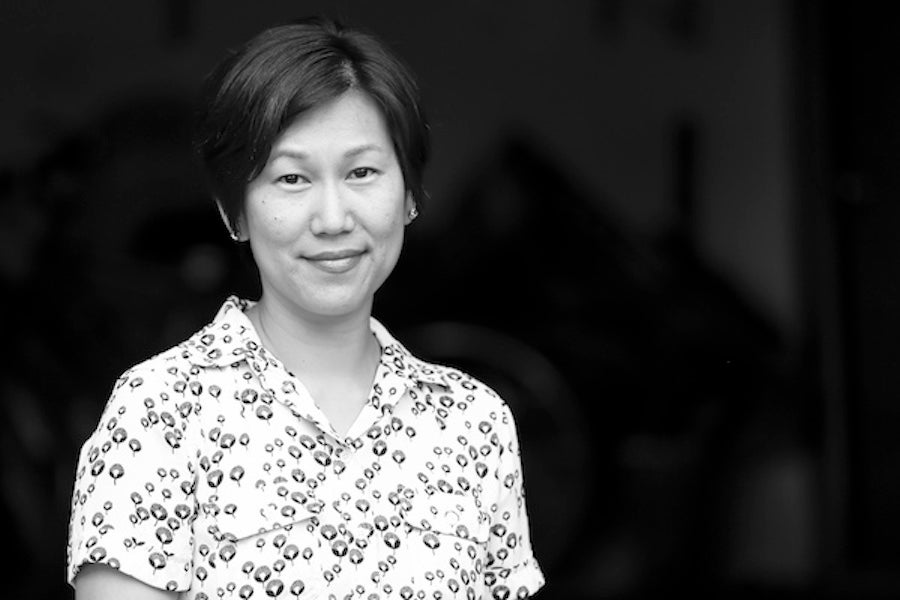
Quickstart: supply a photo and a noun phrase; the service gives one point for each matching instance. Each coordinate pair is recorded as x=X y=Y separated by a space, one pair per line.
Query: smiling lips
x=337 y=261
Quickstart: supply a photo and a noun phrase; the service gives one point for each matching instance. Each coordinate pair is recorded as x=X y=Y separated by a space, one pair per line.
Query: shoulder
x=451 y=389
x=164 y=388
x=220 y=343
x=174 y=357
x=151 y=405
x=461 y=392
x=162 y=368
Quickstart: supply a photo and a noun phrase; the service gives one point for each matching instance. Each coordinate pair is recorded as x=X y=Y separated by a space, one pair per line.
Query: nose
x=332 y=214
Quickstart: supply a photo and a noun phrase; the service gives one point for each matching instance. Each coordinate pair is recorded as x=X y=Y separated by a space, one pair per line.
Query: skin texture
x=332 y=183
x=100 y=582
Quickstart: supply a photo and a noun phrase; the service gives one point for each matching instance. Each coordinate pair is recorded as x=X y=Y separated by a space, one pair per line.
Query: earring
x=413 y=213
x=234 y=234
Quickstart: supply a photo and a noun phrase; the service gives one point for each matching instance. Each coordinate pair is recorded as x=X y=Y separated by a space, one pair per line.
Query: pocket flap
x=452 y=514
x=247 y=512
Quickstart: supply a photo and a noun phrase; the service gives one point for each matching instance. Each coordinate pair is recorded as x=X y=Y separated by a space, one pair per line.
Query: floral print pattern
x=212 y=472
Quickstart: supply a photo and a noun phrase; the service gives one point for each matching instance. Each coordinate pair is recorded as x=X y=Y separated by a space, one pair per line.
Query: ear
x=409 y=204
x=238 y=234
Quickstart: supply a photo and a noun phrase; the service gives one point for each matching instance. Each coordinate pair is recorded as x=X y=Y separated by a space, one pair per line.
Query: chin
x=338 y=308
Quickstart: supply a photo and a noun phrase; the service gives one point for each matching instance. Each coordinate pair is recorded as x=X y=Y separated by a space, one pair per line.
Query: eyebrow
x=302 y=155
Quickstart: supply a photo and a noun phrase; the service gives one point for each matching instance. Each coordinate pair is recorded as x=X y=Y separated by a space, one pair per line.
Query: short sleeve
x=133 y=503
x=511 y=570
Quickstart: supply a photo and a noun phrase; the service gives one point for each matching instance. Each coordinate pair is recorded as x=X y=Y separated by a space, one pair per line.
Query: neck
x=316 y=349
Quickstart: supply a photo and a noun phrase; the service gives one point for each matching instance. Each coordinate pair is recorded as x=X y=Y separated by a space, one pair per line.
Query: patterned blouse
x=212 y=472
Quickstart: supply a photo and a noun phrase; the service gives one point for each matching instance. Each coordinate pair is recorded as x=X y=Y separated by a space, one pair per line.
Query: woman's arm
x=101 y=582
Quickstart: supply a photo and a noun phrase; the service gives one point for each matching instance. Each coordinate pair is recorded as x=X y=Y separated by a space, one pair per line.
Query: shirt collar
x=227 y=339
x=230 y=337
x=400 y=361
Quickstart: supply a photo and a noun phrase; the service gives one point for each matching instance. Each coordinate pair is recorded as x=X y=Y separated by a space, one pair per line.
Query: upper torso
x=213 y=472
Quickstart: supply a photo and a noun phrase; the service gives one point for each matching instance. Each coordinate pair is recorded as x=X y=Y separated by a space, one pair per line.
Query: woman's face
x=326 y=215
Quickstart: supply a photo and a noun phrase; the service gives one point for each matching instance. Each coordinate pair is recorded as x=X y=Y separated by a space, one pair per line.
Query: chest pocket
x=259 y=513
x=449 y=514
x=275 y=502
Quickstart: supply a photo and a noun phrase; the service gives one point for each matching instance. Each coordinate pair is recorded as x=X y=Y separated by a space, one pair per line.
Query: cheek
x=268 y=222
x=382 y=221
x=392 y=226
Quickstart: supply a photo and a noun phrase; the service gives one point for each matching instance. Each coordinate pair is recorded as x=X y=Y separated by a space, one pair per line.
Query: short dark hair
x=261 y=87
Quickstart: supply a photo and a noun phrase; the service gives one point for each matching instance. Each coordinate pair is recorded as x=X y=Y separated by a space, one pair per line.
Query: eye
x=290 y=179
x=362 y=172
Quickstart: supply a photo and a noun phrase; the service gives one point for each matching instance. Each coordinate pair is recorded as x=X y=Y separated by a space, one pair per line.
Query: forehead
x=351 y=119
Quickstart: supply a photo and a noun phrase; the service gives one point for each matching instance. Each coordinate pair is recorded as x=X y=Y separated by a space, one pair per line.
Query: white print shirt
x=212 y=472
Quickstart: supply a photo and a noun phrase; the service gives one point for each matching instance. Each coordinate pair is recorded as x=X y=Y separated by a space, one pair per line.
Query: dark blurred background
x=665 y=230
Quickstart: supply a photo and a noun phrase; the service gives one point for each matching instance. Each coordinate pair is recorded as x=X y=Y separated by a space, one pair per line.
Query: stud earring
x=234 y=234
x=413 y=213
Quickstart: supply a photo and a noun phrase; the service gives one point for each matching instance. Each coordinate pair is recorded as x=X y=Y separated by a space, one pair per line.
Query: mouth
x=335 y=261
x=335 y=254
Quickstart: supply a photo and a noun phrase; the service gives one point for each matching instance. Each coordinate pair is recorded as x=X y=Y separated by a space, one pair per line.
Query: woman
x=293 y=448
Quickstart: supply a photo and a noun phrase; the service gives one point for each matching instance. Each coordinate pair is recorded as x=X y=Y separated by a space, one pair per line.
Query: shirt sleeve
x=133 y=502
x=511 y=570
